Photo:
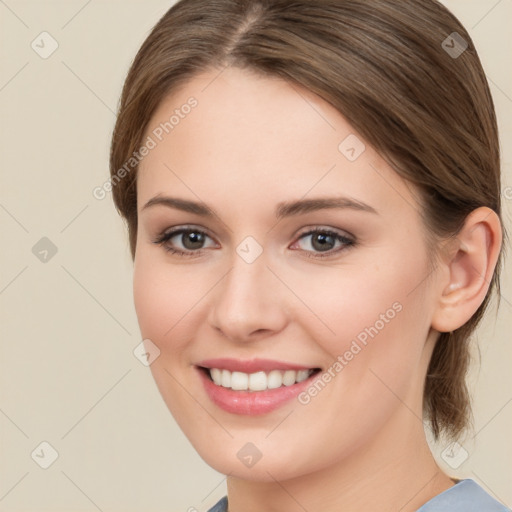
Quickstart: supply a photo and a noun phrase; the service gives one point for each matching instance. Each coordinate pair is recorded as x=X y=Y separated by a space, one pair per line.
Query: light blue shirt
x=464 y=496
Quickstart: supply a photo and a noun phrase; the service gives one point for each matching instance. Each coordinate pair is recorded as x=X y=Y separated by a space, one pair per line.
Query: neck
x=396 y=471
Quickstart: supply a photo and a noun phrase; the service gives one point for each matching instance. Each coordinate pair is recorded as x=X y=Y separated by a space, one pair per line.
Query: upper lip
x=250 y=365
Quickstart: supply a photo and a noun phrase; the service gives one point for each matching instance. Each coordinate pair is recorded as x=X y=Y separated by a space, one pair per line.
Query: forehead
x=248 y=135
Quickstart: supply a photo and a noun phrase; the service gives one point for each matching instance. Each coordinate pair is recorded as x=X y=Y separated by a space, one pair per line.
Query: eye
x=190 y=242
x=321 y=243
x=184 y=241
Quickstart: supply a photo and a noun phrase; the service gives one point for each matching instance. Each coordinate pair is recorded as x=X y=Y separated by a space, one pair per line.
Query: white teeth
x=289 y=377
x=259 y=381
x=239 y=381
x=216 y=376
x=274 y=379
x=225 y=380
x=303 y=375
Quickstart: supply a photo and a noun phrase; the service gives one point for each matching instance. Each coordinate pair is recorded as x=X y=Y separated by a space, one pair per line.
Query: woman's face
x=273 y=280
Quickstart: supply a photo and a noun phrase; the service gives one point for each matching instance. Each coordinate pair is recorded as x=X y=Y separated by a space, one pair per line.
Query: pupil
x=322 y=242
x=193 y=240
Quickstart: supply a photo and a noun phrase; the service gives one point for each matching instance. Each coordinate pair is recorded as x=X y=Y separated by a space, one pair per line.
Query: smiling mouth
x=258 y=381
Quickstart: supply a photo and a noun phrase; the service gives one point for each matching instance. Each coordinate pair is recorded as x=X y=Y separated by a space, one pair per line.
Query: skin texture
x=250 y=144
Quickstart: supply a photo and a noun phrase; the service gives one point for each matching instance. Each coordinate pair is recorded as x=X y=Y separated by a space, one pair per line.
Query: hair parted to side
x=381 y=64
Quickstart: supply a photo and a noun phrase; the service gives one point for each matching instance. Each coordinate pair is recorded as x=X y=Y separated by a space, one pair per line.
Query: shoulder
x=464 y=496
x=220 y=506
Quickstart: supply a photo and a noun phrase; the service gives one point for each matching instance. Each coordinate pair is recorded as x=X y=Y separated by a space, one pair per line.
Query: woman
x=312 y=192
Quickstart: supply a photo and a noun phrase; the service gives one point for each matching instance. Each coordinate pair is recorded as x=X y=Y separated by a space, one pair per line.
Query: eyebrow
x=284 y=209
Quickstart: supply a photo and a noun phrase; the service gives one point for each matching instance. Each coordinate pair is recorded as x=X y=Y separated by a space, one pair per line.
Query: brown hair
x=392 y=69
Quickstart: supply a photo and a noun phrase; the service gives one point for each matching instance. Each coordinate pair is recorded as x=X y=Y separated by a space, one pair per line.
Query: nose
x=248 y=303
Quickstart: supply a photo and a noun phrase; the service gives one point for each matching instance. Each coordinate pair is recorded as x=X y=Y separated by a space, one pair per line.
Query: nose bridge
x=246 y=300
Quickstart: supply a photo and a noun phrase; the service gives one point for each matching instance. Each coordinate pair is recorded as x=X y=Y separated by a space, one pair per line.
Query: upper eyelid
x=302 y=232
x=336 y=231
x=180 y=229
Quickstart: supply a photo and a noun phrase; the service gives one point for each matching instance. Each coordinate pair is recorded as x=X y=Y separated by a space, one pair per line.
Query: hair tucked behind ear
x=386 y=65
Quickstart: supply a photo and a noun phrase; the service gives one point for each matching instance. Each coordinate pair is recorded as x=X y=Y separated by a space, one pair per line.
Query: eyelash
x=166 y=236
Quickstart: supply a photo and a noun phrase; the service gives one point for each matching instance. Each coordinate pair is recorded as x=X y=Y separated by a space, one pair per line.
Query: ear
x=468 y=265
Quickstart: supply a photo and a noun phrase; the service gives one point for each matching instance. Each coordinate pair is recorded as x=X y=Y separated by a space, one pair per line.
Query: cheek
x=373 y=320
x=164 y=298
x=344 y=303
x=380 y=322
x=153 y=306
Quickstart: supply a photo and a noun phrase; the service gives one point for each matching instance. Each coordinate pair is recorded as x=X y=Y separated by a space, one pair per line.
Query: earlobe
x=469 y=264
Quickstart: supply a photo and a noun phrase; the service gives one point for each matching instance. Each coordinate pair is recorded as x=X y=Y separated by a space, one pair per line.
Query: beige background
x=68 y=373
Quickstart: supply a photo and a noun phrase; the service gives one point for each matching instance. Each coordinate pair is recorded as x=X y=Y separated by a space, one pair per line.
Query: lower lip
x=252 y=403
